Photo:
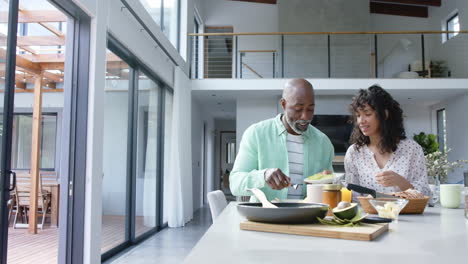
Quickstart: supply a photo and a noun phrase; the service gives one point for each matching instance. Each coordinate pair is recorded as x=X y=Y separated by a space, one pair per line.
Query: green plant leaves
x=427 y=142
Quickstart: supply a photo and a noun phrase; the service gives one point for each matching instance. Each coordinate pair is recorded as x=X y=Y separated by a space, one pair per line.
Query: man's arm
x=245 y=173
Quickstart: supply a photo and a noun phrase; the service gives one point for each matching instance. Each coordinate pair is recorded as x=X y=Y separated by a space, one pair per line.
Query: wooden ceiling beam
x=36 y=16
x=45 y=58
x=413 y=2
x=399 y=10
x=35 y=41
x=29 y=49
x=273 y=2
x=23 y=63
x=52 y=29
x=52 y=65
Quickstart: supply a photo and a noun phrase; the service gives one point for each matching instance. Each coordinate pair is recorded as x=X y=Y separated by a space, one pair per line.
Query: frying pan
x=286 y=213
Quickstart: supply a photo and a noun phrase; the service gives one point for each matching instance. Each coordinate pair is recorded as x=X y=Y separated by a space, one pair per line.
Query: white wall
x=392 y=57
x=454 y=51
x=457 y=127
x=417 y=118
x=250 y=111
x=306 y=56
x=199 y=117
x=197 y=135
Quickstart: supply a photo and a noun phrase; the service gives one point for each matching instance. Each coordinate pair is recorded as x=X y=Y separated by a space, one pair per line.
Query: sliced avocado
x=346 y=213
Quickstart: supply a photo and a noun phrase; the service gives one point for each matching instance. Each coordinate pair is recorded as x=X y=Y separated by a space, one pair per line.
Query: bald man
x=278 y=153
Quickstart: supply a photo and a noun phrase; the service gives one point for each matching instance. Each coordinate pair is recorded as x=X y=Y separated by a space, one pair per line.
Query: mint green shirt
x=263 y=146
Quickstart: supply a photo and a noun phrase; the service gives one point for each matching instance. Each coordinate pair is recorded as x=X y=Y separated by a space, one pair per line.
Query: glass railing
x=411 y=54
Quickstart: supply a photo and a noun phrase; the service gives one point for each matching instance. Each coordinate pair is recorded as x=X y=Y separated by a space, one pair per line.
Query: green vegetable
x=335 y=221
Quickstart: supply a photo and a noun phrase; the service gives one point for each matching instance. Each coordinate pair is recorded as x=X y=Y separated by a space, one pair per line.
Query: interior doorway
x=227 y=157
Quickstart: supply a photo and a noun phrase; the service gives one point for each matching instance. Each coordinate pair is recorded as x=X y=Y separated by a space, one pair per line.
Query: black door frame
x=72 y=213
x=8 y=109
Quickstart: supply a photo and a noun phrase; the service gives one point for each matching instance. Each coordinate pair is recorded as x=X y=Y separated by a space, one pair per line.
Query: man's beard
x=294 y=125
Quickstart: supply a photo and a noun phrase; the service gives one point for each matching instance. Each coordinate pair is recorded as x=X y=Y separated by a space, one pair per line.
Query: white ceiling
x=221 y=103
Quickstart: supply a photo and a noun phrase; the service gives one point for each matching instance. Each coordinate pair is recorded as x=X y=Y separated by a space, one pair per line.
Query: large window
x=132 y=152
x=441 y=129
x=146 y=217
x=453 y=24
x=115 y=168
x=21 y=146
x=168 y=107
x=168 y=19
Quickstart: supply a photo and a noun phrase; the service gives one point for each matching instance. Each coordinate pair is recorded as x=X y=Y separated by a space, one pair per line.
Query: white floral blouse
x=408 y=161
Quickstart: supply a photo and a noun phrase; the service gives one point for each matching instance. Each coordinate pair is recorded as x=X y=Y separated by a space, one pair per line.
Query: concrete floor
x=170 y=245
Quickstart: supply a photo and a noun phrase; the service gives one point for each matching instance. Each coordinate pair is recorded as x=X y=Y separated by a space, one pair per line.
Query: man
x=277 y=153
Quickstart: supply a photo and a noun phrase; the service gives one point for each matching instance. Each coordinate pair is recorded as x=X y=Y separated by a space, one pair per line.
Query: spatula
x=262 y=198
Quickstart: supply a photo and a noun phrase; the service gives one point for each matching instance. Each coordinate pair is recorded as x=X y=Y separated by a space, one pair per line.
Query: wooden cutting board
x=366 y=232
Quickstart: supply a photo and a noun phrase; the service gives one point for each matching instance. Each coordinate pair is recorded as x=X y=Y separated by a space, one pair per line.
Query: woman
x=381 y=157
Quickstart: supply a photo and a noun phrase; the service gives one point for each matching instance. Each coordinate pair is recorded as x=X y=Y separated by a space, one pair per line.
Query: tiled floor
x=169 y=246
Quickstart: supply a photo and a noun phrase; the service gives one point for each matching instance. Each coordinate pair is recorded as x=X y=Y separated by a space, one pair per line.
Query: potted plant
x=439 y=166
x=438 y=68
x=437 y=163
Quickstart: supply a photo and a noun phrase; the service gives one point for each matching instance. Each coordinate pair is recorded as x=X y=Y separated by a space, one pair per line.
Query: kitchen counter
x=440 y=236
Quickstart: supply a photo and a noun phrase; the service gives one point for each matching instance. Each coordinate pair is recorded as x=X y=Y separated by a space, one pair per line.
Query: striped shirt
x=295 y=146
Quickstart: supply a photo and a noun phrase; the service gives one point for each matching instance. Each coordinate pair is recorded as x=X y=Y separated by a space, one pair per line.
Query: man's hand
x=276 y=179
x=391 y=178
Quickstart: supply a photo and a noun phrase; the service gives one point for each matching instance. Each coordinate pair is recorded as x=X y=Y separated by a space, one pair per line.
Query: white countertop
x=439 y=236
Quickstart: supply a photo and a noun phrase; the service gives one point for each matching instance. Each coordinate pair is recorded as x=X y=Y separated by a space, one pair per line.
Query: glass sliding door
x=147 y=155
x=168 y=102
x=115 y=181
x=7 y=52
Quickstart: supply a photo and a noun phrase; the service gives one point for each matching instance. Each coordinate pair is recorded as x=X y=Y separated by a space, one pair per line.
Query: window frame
x=447 y=22
x=443 y=146
x=136 y=67
x=15 y=131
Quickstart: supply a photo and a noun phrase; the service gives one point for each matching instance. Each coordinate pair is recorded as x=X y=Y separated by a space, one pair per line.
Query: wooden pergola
x=40 y=67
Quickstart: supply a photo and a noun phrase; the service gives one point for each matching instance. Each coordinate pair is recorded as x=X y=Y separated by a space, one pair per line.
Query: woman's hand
x=391 y=178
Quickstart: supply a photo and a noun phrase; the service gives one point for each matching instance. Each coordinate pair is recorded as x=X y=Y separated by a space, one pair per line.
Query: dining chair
x=217 y=201
x=22 y=195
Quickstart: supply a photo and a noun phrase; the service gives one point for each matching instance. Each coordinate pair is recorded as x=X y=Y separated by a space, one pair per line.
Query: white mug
x=314 y=193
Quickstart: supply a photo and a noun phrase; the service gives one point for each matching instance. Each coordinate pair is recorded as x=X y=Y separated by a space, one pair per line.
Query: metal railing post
x=236 y=50
x=274 y=65
x=282 y=56
x=240 y=64
x=376 y=57
x=329 y=57
x=423 y=56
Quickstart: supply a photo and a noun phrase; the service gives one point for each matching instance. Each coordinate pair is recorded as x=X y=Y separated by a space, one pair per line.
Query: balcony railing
x=399 y=54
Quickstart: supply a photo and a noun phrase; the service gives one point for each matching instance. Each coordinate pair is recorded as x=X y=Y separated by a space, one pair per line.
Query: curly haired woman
x=381 y=157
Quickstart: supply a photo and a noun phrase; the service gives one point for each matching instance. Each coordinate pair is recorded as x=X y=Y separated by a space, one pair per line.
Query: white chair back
x=217 y=202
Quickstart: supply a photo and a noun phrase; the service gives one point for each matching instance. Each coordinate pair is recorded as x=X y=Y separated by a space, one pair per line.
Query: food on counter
x=336 y=221
x=345 y=210
x=389 y=210
x=408 y=194
x=320 y=176
x=343 y=205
